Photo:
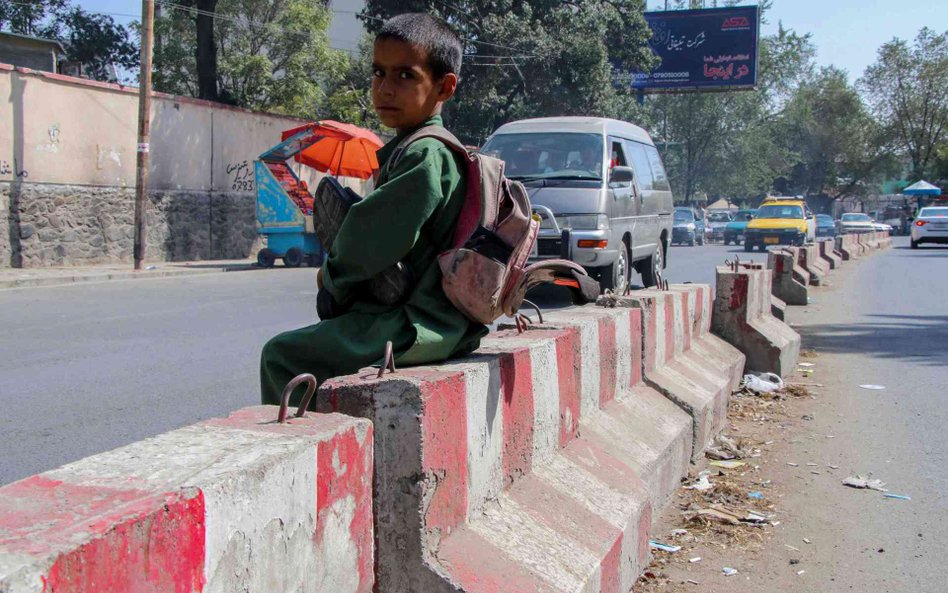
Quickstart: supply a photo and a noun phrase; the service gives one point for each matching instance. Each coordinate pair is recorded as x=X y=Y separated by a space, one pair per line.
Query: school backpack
x=485 y=271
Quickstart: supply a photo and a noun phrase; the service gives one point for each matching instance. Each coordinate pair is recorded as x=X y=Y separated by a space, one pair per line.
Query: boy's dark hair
x=430 y=34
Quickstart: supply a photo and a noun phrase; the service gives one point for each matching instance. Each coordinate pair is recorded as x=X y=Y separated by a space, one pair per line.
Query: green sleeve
x=380 y=230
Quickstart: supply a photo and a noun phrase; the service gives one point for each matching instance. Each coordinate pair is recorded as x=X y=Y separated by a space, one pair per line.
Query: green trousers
x=330 y=348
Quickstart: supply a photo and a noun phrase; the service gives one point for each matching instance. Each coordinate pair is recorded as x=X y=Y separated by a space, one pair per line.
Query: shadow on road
x=915 y=338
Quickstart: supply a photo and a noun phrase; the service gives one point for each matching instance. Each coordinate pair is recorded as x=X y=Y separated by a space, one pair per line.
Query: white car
x=930 y=226
x=854 y=223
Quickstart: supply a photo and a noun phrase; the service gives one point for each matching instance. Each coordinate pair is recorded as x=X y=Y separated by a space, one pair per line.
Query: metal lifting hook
x=304 y=403
x=388 y=360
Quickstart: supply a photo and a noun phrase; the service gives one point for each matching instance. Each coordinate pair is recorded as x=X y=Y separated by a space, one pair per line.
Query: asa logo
x=736 y=22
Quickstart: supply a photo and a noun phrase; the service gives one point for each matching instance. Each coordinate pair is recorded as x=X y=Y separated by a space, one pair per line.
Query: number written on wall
x=241 y=176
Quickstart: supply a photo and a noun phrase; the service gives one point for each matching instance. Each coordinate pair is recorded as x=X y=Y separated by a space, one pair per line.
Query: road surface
x=89 y=367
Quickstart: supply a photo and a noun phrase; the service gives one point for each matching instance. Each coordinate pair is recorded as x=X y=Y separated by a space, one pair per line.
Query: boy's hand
x=319 y=278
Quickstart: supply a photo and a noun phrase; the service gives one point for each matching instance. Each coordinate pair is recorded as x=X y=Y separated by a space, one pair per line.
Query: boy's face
x=404 y=90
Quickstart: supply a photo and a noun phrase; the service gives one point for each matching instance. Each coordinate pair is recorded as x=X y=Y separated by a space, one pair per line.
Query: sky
x=847 y=33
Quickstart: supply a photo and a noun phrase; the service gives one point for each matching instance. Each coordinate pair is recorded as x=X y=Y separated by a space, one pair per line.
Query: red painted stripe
x=134 y=541
x=610 y=581
x=516 y=377
x=556 y=510
x=607 y=360
x=569 y=371
x=344 y=469
x=635 y=330
x=478 y=566
x=444 y=454
x=669 y=327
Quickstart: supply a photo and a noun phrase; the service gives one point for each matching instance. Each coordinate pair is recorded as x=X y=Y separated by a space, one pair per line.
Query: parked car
x=825 y=226
x=602 y=182
x=716 y=223
x=855 y=223
x=734 y=231
x=930 y=226
x=687 y=229
x=780 y=222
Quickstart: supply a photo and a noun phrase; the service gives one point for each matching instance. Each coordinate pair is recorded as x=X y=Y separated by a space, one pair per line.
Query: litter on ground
x=864 y=482
x=874 y=387
x=728 y=571
x=663 y=547
x=728 y=464
x=755 y=495
x=897 y=496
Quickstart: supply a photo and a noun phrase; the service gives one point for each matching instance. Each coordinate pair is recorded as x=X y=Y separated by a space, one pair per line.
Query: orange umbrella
x=338 y=148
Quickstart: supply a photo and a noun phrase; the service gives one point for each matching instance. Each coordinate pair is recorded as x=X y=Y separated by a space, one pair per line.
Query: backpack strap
x=471 y=212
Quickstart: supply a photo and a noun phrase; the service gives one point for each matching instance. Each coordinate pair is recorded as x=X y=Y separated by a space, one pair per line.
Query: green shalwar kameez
x=410 y=217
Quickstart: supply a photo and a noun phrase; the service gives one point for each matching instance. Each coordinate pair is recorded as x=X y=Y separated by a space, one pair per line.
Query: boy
x=410 y=217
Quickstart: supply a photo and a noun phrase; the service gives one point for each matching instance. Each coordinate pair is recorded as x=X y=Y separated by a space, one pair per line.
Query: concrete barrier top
x=239 y=503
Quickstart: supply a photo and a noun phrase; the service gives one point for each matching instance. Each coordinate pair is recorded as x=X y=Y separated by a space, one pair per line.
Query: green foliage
x=531 y=59
x=350 y=99
x=907 y=88
x=272 y=55
x=93 y=39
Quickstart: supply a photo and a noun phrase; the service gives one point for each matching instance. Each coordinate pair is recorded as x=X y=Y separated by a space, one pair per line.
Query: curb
x=94 y=277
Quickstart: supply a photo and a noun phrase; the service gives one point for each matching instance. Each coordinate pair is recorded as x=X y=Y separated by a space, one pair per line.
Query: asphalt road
x=883 y=322
x=88 y=367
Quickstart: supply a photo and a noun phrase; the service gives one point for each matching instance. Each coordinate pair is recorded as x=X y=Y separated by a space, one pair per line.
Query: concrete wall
x=67 y=173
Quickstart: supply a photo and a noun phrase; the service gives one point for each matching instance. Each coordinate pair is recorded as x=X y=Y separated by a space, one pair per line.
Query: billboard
x=705 y=49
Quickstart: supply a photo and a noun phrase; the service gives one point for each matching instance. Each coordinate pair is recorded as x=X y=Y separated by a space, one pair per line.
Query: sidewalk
x=33 y=277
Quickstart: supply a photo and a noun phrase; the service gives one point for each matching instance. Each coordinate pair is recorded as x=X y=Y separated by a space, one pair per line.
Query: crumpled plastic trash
x=764 y=383
x=702 y=483
x=864 y=482
x=728 y=571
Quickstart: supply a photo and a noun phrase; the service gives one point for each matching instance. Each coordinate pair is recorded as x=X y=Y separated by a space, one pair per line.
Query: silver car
x=600 y=189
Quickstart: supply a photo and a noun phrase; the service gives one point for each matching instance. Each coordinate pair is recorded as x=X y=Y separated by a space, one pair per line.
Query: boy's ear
x=449 y=84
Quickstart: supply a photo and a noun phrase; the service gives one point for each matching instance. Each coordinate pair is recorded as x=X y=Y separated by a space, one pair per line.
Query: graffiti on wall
x=241 y=175
x=7 y=169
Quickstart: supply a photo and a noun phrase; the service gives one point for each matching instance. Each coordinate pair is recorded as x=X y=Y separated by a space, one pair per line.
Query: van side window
x=616 y=154
x=658 y=170
x=640 y=162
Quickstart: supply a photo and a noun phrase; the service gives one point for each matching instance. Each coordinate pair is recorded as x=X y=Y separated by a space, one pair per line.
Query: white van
x=600 y=188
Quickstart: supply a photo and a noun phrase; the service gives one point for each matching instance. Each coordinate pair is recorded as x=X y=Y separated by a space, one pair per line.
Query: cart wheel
x=265 y=258
x=293 y=257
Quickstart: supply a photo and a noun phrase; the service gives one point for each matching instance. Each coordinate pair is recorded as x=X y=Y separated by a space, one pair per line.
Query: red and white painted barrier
x=742 y=316
x=684 y=361
x=809 y=259
x=790 y=281
x=828 y=253
x=534 y=465
x=234 y=504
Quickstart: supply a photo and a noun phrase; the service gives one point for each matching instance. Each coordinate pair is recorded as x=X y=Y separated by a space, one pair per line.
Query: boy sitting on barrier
x=408 y=219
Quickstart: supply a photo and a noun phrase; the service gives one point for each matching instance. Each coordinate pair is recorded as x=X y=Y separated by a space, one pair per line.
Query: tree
x=271 y=55
x=536 y=58
x=93 y=39
x=907 y=88
x=30 y=18
x=836 y=145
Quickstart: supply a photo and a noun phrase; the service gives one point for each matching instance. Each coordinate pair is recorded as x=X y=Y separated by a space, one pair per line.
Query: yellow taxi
x=780 y=221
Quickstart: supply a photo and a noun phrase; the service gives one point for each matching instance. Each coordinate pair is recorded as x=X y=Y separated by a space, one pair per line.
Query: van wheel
x=616 y=277
x=652 y=267
x=914 y=244
x=748 y=246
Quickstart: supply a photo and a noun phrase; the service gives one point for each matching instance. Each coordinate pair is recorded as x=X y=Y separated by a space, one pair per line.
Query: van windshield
x=548 y=155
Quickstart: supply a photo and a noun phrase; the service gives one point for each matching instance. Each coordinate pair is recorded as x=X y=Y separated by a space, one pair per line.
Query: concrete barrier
x=808 y=258
x=848 y=247
x=790 y=281
x=742 y=317
x=235 y=504
x=828 y=253
x=533 y=465
x=684 y=361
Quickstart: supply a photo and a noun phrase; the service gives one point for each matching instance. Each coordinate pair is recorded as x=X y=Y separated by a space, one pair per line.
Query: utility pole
x=144 y=129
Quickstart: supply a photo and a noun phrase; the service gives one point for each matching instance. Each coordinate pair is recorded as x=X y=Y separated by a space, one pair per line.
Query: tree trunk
x=206 y=52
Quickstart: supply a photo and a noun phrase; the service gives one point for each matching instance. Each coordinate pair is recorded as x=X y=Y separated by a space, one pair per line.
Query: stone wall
x=68 y=165
x=72 y=225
